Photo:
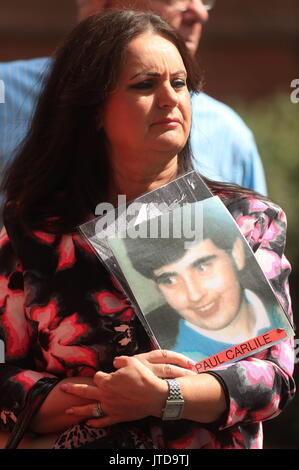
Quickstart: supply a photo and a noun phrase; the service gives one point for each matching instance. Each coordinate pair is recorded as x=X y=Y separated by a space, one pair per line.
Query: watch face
x=173 y=409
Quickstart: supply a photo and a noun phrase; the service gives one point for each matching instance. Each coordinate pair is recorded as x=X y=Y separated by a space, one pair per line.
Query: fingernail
x=70 y=411
x=64 y=387
x=191 y=365
x=89 y=424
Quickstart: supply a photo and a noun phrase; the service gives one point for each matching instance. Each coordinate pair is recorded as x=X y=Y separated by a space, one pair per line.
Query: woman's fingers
x=90 y=412
x=163 y=363
x=124 y=361
x=169 y=371
x=86 y=411
x=160 y=356
x=90 y=392
x=101 y=422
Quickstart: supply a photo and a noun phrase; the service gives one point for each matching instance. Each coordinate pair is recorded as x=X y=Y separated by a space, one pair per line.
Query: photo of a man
x=203 y=288
x=208 y=287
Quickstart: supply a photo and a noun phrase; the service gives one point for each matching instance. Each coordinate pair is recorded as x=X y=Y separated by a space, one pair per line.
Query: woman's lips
x=168 y=122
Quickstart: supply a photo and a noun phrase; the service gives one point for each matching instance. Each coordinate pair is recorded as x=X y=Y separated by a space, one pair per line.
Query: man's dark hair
x=149 y=254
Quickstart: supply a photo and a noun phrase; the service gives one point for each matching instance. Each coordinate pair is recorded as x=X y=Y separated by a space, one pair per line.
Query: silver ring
x=98 y=410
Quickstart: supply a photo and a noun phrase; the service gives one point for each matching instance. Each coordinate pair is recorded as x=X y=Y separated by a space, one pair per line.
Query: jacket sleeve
x=17 y=335
x=258 y=387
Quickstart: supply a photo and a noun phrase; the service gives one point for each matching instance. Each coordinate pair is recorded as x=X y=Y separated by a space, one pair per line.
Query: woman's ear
x=238 y=254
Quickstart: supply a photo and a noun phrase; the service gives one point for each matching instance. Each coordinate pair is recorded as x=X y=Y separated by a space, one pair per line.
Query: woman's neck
x=135 y=180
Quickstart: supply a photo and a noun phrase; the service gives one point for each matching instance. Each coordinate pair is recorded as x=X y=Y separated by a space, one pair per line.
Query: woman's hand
x=163 y=363
x=51 y=418
x=134 y=391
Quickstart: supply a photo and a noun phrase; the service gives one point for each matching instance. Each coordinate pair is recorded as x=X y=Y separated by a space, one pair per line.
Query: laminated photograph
x=197 y=286
x=110 y=220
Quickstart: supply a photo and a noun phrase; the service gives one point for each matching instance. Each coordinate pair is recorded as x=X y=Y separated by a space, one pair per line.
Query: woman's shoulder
x=247 y=204
x=260 y=220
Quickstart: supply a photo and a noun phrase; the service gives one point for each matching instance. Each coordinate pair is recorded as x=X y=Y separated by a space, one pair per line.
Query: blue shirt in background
x=223 y=146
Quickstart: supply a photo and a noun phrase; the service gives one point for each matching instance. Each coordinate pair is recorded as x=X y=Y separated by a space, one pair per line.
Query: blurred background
x=250 y=56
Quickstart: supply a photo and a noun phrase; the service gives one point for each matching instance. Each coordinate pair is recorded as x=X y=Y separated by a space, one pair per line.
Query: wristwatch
x=174 y=405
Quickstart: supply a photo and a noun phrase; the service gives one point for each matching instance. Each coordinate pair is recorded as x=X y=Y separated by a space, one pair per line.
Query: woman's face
x=149 y=112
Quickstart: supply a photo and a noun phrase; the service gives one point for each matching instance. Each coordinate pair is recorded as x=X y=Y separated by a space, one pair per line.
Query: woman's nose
x=168 y=97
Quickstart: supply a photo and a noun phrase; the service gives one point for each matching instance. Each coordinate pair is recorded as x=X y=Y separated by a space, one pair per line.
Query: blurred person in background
x=222 y=145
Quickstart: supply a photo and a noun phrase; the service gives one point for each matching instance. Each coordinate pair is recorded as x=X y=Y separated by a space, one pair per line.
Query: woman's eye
x=144 y=85
x=178 y=83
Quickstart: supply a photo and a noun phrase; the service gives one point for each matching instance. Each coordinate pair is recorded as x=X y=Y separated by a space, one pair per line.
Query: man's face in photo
x=203 y=285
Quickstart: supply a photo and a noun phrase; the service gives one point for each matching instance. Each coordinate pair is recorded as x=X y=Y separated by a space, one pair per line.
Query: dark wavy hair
x=62 y=168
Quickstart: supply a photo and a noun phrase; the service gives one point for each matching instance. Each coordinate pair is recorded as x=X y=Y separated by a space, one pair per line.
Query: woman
x=114 y=118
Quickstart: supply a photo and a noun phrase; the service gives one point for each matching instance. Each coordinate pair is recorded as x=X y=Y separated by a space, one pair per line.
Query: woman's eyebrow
x=147 y=74
x=156 y=74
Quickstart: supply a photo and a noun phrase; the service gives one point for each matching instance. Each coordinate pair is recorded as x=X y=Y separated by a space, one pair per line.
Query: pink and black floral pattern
x=62 y=315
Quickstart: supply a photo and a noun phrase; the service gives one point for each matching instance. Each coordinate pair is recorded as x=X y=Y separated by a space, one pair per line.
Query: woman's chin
x=170 y=145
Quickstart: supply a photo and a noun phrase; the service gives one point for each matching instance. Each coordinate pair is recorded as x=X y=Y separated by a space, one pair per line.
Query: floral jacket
x=62 y=315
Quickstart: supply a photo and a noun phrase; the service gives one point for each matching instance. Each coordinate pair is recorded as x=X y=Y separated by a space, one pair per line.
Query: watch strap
x=174 y=405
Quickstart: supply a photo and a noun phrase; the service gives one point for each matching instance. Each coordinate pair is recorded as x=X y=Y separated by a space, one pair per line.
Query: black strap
x=35 y=398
